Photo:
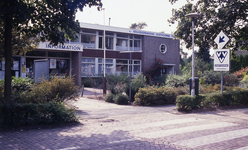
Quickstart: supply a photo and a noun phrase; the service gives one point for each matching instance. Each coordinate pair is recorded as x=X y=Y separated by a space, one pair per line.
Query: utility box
x=196 y=85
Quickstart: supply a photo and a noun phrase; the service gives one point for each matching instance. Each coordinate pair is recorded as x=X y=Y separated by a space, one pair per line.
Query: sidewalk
x=107 y=126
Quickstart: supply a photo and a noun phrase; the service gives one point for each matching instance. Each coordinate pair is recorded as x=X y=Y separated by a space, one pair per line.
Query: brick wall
x=150 y=47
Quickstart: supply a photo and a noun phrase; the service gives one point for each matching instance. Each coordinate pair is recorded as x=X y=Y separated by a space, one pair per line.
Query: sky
x=123 y=13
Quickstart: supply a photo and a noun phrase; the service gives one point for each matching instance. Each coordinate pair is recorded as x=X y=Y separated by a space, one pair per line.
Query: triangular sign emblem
x=221 y=55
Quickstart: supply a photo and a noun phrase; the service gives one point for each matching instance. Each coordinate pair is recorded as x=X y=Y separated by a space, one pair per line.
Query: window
x=163 y=48
x=88 y=40
x=109 y=42
x=136 y=67
x=88 y=67
x=137 y=46
x=121 y=66
x=109 y=66
x=61 y=68
x=134 y=43
x=122 y=44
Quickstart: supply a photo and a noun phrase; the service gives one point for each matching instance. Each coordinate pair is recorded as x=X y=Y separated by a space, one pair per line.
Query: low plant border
x=228 y=98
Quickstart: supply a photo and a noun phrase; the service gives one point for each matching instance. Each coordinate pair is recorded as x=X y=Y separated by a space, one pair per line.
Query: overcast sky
x=125 y=12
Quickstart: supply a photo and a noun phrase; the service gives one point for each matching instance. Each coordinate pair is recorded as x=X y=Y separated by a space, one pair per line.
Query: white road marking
x=164 y=133
x=162 y=123
x=242 y=148
x=123 y=140
x=70 y=148
x=213 y=138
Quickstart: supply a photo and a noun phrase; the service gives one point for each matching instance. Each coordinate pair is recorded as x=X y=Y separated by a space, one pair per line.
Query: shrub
x=155 y=96
x=139 y=81
x=92 y=81
x=214 y=77
x=116 y=83
x=18 y=86
x=154 y=70
x=57 y=89
x=121 y=99
x=109 y=98
x=177 y=80
x=232 y=97
x=42 y=113
x=159 y=80
x=187 y=102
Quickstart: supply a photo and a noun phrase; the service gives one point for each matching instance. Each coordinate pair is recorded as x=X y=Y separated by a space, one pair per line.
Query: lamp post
x=104 y=55
x=130 y=70
x=193 y=16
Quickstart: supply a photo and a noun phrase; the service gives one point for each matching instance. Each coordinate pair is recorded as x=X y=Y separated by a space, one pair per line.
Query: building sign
x=52 y=63
x=62 y=63
x=65 y=47
x=151 y=33
x=15 y=65
x=222 y=60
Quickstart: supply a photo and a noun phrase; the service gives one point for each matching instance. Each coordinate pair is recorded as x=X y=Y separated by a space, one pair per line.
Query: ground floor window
x=109 y=66
x=88 y=66
x=168 y=69
x=95 y=66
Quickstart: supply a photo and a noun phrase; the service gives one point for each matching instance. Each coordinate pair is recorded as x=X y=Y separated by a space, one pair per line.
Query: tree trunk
x=8 y=55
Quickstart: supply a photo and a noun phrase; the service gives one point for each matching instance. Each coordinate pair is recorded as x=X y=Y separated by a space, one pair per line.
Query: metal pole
x=221 y=82
x=104 y=43
x=104 y=57
x=193 y=61
x=130 y=78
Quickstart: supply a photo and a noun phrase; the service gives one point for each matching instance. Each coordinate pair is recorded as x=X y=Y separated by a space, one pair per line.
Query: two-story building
x=85 y=56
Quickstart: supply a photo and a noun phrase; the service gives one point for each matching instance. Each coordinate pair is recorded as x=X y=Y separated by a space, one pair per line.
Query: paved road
x=106 y=126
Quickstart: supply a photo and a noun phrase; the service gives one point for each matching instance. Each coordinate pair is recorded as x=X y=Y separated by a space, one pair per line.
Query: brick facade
x=151 y=50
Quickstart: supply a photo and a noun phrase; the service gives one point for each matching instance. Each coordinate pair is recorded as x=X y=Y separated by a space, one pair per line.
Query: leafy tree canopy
x=21 y=42
x=230 y=16
x=52 y=20
x=139 y=26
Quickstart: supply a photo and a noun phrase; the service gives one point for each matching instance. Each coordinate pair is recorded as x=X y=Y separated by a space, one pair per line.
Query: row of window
x=95 y=66
x=113 y=41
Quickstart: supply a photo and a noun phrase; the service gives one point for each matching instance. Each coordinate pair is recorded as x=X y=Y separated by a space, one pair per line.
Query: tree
x=139 y=26
x=227 y=15
x=154 y=70
x=21 y=42
x=53 y=20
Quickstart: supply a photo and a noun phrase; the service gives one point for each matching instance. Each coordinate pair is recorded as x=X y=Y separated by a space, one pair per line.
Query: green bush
x=187 y=102
x=177 y=80
x=139 y=81
x=159 y=80
x=95 y=82
x=18 y=86
x=57 y=89
x=228 y=98
x=116 y=83
x=214 y=77
x=42 y=113
x=121 y=99
x=155 y=96
x=109 y=98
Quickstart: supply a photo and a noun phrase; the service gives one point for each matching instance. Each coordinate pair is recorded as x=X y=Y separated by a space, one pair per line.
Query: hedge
x=155 y=96
x=228 y=98
x=42 y=113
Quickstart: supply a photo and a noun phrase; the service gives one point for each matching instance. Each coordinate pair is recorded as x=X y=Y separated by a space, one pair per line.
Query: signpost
x=222 y=56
